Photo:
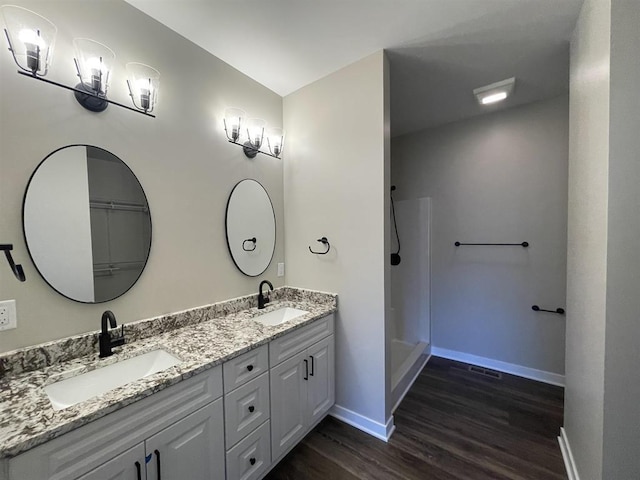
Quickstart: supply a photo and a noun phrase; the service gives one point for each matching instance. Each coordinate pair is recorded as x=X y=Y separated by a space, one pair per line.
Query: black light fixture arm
x=249 y=147
x=16 y=269
x=83 y=92
x=326 y=243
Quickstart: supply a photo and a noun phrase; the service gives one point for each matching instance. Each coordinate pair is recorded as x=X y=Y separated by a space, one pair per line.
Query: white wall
x=621 y=457
x=182 y=159
x=62 y=185
x=587 y=236
x=335 y=187
x=499 y=178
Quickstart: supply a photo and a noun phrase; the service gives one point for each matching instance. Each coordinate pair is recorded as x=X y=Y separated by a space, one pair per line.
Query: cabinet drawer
x=287 y=346
x=245 y=408
x=245 y=367
x=250 y=458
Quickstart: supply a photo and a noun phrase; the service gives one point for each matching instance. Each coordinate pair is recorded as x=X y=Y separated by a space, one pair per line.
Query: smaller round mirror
x=251 y=227
x=87 y=223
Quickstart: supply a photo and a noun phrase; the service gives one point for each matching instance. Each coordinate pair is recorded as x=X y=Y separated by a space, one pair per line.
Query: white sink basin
x=280 y=316
x=71 y=391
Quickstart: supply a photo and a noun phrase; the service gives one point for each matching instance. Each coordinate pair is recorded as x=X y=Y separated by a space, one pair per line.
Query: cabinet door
x=288 y=403
x=321 y=394
x=190 y=448
x=126 y=466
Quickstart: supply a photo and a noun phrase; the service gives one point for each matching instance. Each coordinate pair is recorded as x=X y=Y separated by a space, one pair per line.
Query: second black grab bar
x=559 y=311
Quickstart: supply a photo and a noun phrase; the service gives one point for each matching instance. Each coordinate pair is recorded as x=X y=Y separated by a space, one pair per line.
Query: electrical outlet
x=8 y=315
x=281 y=269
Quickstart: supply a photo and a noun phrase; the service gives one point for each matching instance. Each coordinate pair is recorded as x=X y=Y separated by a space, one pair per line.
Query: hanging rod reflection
x=559 y=311
x=523 y=244
x=129 y=207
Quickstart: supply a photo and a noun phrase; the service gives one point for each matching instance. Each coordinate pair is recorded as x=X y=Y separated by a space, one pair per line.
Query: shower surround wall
x=500 y=178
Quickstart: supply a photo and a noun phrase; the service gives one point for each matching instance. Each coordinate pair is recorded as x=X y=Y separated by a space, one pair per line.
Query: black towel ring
x=255 y=244
x=326 y=243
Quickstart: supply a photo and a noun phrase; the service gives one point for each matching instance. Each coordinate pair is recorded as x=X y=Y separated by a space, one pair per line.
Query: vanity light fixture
x=143 y=85
x=495 y=92
x=31 y=39
x=235 y=124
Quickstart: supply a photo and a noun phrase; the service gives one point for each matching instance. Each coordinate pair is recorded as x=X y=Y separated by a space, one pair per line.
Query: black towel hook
x=326 y=243
x=17 y=269
x=255 y=244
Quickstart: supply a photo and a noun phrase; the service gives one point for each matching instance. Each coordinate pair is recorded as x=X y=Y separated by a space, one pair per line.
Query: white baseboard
x=378 y=430
x=411 y=382
x=569 y=462
x=512 y=368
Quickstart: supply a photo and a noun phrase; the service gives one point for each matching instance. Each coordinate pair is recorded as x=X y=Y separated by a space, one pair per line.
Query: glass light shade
x=143 y=82
x=31 y=39
x=275 y=140
x=233 y=120
x=255 y=131
x=95 y=63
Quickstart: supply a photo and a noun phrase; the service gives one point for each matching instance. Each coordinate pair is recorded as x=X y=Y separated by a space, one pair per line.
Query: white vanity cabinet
x=302 y=386
x=183 y=422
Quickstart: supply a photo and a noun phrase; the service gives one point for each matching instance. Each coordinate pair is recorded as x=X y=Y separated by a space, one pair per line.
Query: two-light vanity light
x=235 y=125
x=31 y=40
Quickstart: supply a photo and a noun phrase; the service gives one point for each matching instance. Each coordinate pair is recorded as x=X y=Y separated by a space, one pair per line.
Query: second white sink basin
x=68 y=392
x=280 y=316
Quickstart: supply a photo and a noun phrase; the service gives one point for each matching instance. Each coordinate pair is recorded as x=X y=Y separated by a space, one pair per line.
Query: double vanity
x=222 y=391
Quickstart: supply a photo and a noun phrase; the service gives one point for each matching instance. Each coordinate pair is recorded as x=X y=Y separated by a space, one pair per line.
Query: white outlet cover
x=281 y=269
x=8 y=315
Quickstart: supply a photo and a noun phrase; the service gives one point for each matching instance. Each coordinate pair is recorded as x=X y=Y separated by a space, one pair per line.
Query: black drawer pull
x=249 y=367
x=138 y=470
x=312 y=363
x=251 y=408
x=158 y=463
x=306 y=369
x=252 y=461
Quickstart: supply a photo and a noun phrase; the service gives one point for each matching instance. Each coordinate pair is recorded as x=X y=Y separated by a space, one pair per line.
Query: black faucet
x=263 y=300
x=107 y=342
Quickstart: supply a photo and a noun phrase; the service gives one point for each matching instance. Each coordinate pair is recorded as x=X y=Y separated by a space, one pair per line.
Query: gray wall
x=587 y=236
x=497 y=178
x=181 y=158
x=622 y=350
x=334 y=187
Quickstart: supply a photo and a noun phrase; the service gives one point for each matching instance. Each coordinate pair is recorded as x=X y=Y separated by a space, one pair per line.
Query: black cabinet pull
x=158 y=464
x=249 y=367
x=251 y=408
x=138 y=470
x=306 y=369
x=312 y=363
x=252 y=461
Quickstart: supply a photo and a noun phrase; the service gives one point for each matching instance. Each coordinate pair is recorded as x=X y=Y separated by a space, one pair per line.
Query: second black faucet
x=262 y=299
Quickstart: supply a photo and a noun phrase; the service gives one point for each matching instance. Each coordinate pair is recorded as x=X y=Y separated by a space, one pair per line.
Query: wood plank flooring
x=452 y=425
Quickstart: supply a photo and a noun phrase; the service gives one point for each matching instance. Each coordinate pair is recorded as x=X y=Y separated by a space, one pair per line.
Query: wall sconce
x=496 y=92
x=143 y=85
x=31 y=39
x=234 y=121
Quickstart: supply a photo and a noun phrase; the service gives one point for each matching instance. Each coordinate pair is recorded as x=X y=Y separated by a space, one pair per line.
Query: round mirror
x=87 y=223
x=251 y=227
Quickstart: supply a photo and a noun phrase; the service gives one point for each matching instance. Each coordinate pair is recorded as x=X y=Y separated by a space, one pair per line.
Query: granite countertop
x=27 y=418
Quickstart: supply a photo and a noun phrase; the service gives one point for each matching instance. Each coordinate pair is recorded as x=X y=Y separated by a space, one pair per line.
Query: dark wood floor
x=453 y=424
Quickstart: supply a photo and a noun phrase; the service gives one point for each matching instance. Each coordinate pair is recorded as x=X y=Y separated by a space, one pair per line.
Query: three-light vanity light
x=235 y=125
x=31 y=40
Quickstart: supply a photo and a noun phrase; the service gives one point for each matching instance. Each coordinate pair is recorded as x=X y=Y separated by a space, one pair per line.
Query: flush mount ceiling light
x=235 y=124
x=495 y=92
x=31 y=38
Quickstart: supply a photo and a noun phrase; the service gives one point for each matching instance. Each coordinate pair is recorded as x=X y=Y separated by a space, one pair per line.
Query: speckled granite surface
x=202 y=338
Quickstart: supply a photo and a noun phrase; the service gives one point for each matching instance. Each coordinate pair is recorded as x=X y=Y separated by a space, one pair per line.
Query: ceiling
x=439 y=50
